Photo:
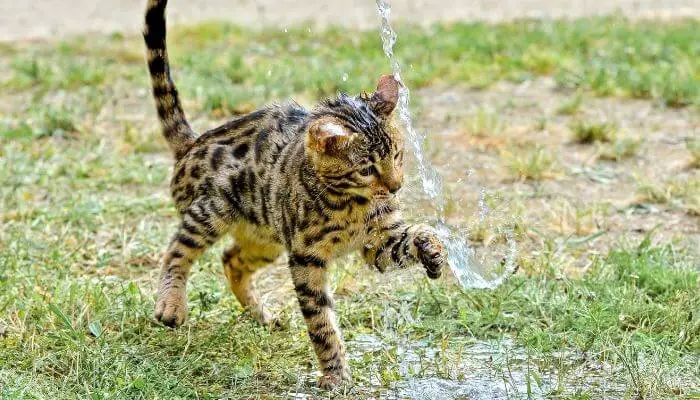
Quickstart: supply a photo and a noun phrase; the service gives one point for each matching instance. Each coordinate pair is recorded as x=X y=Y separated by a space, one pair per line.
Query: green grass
x=682 y=193
x=76 y=301
x=483 y=123
x=593 y=132
x=529 y=163
x=230 y=69
x=571 y=106
x=694 y=150
x=619 y=149
x=85 y=215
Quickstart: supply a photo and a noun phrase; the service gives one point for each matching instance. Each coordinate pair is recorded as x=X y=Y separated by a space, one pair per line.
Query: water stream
x=470 y=268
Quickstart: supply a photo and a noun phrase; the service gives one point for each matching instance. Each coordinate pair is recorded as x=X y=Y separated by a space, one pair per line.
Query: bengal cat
x=315 y=184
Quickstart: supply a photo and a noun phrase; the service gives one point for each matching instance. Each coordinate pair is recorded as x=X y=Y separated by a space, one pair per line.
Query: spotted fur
x=313 y=184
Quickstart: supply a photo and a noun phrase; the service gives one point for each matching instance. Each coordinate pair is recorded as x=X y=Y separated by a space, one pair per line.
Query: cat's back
x=254 y=136
x=239 y=152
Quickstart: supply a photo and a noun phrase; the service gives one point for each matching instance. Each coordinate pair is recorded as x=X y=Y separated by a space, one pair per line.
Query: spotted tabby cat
x=314 y=184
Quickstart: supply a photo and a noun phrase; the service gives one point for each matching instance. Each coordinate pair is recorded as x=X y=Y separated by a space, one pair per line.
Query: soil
x=584 y=196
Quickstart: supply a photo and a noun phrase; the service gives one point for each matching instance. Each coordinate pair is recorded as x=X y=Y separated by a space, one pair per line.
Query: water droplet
x=285 y=30
x=269 y=73
x=344 y=77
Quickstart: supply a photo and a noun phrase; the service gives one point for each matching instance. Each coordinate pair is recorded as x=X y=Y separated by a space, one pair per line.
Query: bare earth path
x=26 y=19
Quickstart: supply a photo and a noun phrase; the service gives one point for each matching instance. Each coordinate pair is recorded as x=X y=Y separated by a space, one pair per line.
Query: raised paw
x=171 y=308
x=431 y=252
x=336 y=380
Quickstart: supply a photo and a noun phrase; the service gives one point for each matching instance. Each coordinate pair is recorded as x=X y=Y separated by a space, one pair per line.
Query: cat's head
x=354 y=145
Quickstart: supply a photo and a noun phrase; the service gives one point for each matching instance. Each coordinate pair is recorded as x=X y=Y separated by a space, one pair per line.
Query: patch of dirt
x=585 y=197
x=49 y=18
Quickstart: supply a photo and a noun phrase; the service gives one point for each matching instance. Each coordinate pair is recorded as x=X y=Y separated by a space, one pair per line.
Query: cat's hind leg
x=198 y=230
x=241 y=263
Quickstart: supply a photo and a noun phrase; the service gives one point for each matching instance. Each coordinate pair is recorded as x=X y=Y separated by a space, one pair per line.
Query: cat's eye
x=371 y=170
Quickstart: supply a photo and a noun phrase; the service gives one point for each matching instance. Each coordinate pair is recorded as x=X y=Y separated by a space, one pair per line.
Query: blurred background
x=46 y=18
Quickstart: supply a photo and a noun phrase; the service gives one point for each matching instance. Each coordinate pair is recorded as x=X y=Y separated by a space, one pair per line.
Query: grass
x=142 y=140
x=694 y=149
x=69 y=327
x=228 y=69
x=593 y=132
x=619 y=149
x=50 y=121
x=483 y=123
x=571 y=106
x=683 y=193
x=84 y=216
x=530 y=163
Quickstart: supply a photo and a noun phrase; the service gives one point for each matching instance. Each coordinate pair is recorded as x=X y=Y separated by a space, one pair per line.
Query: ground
x=589 y=158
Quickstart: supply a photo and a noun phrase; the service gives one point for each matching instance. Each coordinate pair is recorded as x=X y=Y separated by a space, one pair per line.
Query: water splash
x=466 y=265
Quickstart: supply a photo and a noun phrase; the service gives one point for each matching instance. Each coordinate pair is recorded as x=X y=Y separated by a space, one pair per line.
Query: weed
x=14 y=130
x=683 y=193
x=614 y=57
x=483 y=123
x=571 y=106
x=143 y=140
x=58 y=121
x=619 y=149
x=585 y=132
x=693 y=147
x=535 y=163
x=541 y=124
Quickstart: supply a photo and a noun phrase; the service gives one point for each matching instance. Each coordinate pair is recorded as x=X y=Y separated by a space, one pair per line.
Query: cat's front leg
x=310 y=278
x=392 y=243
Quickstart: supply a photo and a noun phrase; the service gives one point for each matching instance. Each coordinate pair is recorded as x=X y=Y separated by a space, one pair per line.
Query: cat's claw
x=334 y=381
x=171 y=309
x=264 y=318
x=431 y=253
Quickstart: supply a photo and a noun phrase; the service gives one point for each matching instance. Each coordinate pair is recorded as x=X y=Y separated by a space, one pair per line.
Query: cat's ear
x=384 y=100
x=329 y=137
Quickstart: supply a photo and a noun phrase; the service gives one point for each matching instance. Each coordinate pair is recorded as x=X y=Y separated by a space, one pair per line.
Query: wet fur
x=312 y=184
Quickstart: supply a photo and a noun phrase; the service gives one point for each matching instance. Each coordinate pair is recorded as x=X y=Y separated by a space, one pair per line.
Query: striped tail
x=176 y=129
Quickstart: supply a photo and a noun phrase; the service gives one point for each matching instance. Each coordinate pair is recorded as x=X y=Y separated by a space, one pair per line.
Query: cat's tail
x=176 y=129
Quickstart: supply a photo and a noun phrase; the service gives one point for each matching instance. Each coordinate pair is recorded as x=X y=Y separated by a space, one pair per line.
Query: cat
x=315 y=184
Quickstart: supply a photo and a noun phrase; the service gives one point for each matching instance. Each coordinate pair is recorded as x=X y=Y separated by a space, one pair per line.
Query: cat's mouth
x=383 y=196
x=368 y=192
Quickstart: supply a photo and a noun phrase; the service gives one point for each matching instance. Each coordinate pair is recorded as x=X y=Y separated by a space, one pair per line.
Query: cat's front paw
x=171 y=308
x=431 y=252
x=336 y=380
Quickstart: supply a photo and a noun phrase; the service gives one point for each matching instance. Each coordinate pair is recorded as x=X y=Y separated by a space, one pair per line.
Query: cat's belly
x=258 y=234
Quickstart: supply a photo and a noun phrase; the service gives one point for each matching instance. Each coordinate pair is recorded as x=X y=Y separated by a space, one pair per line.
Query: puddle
x=467 y=369
x=437 y=388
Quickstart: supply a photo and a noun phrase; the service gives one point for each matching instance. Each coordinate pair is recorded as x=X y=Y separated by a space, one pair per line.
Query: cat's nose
x=392 y=183
x=394 y=188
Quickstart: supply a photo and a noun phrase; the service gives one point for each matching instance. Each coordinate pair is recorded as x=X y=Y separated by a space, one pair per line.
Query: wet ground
x=472 y=370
